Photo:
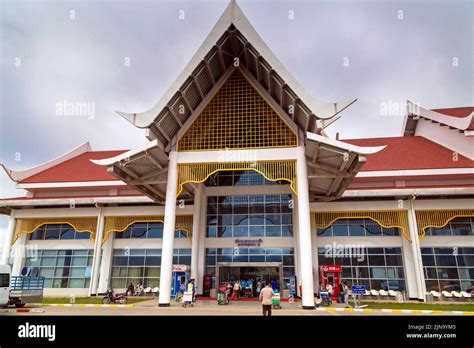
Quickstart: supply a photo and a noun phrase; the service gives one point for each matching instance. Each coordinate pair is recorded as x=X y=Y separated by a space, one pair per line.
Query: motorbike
x=110 y=297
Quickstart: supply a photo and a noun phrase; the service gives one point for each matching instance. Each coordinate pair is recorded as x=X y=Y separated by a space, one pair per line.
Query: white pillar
x=202 y=247
x=196 y=233
x=106 y=264
x=168 y=232
x=297 y=243
x=8 y=238
x=304 y=227
x=314 y=238
x=416 y=251
x=19 y=251
x=99 y=234
x=409 y=266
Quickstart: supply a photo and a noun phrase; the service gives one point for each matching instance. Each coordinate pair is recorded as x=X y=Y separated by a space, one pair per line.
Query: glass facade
x=356 y=228
x=146 y=230
x=57 y=232
x=142 y=265
x=461 y=226
x=63 y=268
x=249 y=216
x=376 y=268
x=284 y=255
x=448 y=269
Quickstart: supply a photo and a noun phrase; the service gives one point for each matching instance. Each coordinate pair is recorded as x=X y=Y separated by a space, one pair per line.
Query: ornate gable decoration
x=237 y=117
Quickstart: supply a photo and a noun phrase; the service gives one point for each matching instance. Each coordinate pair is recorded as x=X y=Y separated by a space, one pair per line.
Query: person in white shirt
x=236 y=290
x=266 y=295
x=346 y=293
x=329 y=289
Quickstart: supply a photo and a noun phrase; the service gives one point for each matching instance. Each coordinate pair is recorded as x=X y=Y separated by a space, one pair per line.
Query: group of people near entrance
x=343 y=295
x=135 y=290
x=265 y=291
x=234 y=289
x=253 y=288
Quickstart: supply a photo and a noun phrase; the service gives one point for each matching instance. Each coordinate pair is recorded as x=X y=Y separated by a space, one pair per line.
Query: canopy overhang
x=331 y=166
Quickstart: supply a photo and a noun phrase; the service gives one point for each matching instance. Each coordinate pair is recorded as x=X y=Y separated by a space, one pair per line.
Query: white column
x=168 y=232
x=409 y=266
x=314 y=238
x=19 y=252
x=196 y=233
x=8 y=238
x=304 y=227
x=99 y=234
x=416 y=251
x=202 y=247
x=106 y=264
x=297 y=243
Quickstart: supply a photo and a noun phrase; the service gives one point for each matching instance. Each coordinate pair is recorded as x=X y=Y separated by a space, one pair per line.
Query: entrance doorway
x=263 y=271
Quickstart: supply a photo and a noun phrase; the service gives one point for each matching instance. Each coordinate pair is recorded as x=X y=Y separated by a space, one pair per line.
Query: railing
x=26 y=283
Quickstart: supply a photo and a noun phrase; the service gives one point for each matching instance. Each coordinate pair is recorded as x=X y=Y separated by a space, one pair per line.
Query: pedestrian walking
x=191 y=287
x=236 y=290
x=266 y=295
x=346 y=293
x=341 y=292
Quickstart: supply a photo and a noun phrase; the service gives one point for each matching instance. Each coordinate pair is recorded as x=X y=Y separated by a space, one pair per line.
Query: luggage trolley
x=276 y=302
x=248 y=292
x=325 y=299
x=187 y=299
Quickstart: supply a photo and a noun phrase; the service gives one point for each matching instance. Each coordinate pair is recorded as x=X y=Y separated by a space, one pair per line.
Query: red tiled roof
x=458 y=112
x=413 y=152
x=79 y=168
x=24 y=198
x=401 y=153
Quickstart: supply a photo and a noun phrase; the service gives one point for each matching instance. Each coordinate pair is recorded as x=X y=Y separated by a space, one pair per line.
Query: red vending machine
x=331 y=274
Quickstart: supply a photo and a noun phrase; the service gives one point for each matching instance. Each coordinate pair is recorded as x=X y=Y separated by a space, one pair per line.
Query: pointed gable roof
x=232 y=36
x=460 y=118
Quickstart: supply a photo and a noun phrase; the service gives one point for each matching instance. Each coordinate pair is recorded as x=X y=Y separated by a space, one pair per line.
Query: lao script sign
x=249 y=242
x=358 y=289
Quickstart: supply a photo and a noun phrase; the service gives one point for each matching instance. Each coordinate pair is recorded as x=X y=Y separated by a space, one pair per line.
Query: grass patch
x=88 y=300
x=468 y=307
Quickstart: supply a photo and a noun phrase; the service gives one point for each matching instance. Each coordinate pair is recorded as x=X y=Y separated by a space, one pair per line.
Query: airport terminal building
x=240 y=180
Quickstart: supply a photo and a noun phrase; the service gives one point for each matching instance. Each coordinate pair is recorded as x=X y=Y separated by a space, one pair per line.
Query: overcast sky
x=123 y=55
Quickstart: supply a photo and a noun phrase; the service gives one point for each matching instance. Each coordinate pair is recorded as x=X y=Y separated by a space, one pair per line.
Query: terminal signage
x=358 y=289
x=248 y=242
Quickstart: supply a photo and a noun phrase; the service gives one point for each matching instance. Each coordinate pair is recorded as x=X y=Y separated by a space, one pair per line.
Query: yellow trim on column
x=80 y=224
x=385 y=218
x=270 y=170
x=121 y=223
x=438 y=218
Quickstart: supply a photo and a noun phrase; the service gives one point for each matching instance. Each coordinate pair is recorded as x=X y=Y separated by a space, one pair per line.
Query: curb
x=408 y=311
x=85 y=305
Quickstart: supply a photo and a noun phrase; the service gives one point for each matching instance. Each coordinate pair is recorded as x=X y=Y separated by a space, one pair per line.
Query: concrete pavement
x=206 y=308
